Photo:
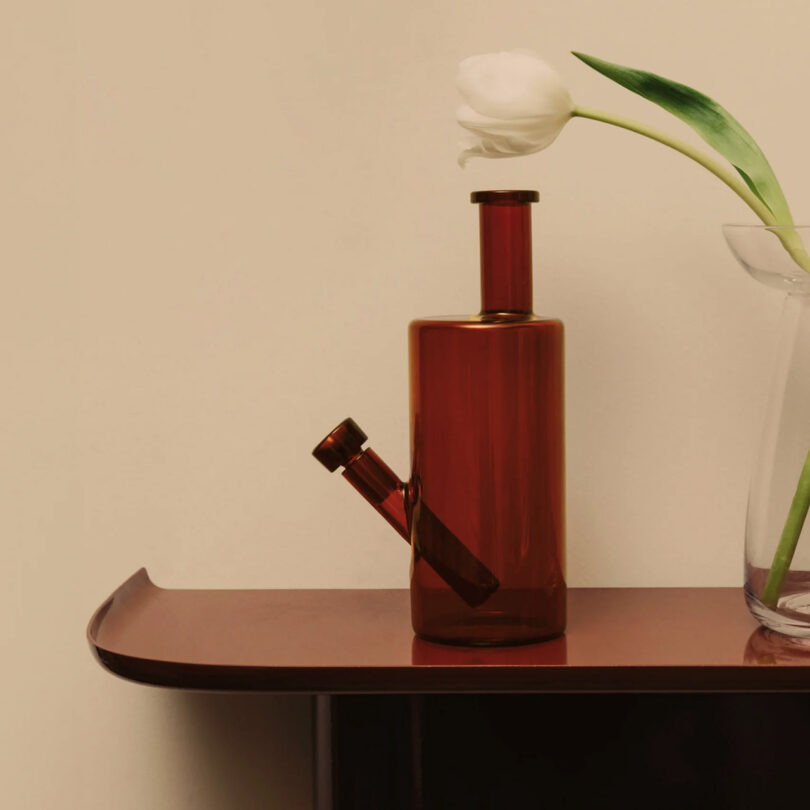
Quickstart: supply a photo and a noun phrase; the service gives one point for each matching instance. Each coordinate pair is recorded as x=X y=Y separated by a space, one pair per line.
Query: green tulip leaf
x=711 y=121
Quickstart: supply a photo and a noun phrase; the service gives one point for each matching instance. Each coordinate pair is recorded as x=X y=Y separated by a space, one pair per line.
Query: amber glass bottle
x=487 y=447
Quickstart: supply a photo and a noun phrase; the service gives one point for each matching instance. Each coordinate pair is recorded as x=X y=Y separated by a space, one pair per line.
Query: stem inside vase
x=789 y=539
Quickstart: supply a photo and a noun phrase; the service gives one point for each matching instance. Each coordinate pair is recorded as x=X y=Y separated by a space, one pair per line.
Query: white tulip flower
x=516 y=104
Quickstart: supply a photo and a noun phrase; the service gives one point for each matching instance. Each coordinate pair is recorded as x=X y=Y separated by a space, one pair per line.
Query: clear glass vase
x=777 y=536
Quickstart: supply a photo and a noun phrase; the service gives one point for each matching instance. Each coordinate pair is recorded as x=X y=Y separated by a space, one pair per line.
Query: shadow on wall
x=244 y=751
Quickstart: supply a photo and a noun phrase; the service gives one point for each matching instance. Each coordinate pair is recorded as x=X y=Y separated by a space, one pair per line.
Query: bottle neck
x=506 y=257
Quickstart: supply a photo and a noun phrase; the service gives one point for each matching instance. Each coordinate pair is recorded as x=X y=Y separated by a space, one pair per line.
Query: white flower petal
x=516 y=104
x=512 y=84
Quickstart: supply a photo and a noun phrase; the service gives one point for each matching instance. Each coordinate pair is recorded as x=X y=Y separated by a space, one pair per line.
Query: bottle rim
x=504 y=197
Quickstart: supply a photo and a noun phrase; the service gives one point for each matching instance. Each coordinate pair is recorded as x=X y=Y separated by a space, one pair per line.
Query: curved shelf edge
x=139 y=581
x=344 y=641
x=124 y=666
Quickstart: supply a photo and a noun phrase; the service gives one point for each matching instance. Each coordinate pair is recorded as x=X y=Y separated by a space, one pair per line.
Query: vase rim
x=757 y=249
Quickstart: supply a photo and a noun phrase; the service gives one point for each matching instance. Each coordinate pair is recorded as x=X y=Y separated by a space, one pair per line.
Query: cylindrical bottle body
x=487 y=453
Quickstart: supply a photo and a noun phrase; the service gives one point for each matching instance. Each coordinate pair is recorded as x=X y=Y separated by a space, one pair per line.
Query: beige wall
x=217 y=219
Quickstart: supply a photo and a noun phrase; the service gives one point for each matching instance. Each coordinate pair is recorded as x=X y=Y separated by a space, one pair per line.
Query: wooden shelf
x=360 y=641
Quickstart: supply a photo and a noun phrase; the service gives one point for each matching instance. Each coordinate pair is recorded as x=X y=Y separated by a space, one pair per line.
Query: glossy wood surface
x=343 y=641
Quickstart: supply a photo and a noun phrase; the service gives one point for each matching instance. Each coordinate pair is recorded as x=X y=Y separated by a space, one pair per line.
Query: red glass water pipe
x=484 y=506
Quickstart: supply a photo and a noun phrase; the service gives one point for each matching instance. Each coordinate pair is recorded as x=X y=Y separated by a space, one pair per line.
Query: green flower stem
x=794 y=246
x=787 y=235
x=790 y=537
